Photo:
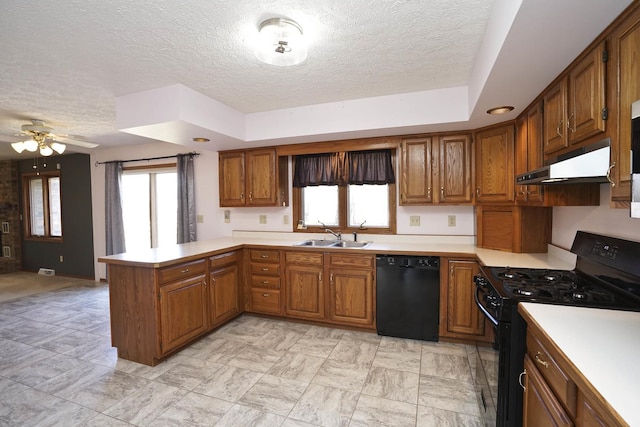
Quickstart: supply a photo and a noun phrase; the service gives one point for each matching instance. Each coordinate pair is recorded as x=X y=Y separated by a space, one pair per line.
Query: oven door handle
x=482 y=308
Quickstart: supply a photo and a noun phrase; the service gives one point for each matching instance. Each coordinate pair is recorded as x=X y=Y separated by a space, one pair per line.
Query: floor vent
x=47 y=272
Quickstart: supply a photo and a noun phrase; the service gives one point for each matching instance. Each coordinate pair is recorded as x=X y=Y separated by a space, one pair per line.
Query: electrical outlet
x=61 y=258
x=263 y=219
x=451 y=221
x=199 y=219
x=227 y=216
x=414 y=220
x=285 y=219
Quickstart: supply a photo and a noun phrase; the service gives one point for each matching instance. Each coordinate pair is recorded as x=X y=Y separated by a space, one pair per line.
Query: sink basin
x=333 y=244
x=348 y=244
x=319 y=243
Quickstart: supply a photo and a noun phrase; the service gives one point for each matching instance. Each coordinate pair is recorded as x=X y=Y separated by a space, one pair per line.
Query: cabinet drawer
x=346 y=260
x=221 y=260
x=271 y=282
x=306 y=258
x=563 y=387
x=268 y=269
x=181 y=271
x=267 y=256
x=265 y=301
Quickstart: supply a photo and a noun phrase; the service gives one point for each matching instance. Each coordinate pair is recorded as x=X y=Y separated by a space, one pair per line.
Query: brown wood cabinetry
x=264 y=282
x=555 y=391
x=351 y=292
x=253 y=178
x=624 y=89
x=529 y=157
x=495 y=164
x=460 y=318
x=514 y=228
x=436 y=169
x=304 y=285
x=224 y=288
x=575 y=107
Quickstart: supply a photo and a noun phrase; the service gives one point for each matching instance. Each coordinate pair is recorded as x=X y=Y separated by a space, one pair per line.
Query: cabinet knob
x=478 y=192
x=242 y=195
x=442 y=193
x=429 y=192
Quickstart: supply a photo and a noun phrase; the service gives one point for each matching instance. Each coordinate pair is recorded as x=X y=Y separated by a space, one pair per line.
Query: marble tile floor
x=57 y=368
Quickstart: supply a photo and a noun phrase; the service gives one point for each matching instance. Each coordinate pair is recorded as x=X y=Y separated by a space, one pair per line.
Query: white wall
x=433 y=220
x=597 y=219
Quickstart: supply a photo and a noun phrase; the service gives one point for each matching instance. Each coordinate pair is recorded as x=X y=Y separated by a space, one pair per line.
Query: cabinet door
x=350 y=298
x=261 y=178
x=183 y=313
x=529 y=153
x=541 y=408
x=455 y=169
x=625 y=51
x=555 y=124
x=463 y=316
x=224 y=294
x=587 y=96
x=304 y=292
x=231 y=179
x=494 y=165
x=521 y=155
x=417 y=172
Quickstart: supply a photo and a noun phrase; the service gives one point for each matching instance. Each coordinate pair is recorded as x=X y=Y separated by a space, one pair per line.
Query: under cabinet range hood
x=586 y=164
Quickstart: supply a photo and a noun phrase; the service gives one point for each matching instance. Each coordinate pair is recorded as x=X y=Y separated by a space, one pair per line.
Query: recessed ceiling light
x=200 y=139
x=500 y=110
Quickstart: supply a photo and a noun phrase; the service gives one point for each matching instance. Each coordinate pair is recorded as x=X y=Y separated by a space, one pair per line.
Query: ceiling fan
x=41 y=137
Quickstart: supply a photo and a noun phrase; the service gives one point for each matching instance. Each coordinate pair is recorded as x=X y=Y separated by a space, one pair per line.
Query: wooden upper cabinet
x=587 y=101
x=231 y=178
x=624 y=90
x=436 y=169
x=495 y=164
x=253 y=178
x=417 y=171
x=575 y=107
x=529 y=155
x=455 y=169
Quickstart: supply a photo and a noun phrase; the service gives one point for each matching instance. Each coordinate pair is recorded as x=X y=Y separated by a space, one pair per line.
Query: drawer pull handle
x=540 y=361
x=265 y=282
x=265 y=268
x=186 y=270
x=264 y=256
x=265 y=295
x=612 y=182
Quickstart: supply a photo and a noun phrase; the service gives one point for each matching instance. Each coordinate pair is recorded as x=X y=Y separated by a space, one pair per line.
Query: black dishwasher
x=408 y=296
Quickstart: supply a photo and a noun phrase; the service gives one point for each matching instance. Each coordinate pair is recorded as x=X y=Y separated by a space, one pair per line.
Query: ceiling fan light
x=58 y=148
x=280 y=42
x=45 y=150
x=18 y=146
x=30 y=145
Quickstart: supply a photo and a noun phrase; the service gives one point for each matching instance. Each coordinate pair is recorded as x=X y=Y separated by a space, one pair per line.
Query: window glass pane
x=167 y=208
x=368 y=203
x=135 y=211
x=320 y=204
x=55 y=211
x=36 y=205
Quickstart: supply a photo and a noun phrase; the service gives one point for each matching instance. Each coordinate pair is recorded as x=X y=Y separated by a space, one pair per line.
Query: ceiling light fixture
x=39 y=134
x=200 y=139
x=500 y=110
x=280 y=42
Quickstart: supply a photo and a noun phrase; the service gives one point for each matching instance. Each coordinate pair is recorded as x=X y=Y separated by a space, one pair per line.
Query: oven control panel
x=605 y=250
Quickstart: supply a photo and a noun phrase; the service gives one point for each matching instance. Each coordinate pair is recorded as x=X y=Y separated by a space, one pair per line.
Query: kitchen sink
x=333 y=243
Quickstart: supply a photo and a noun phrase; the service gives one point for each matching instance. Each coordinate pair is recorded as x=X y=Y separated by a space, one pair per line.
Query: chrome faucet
x=337 y=234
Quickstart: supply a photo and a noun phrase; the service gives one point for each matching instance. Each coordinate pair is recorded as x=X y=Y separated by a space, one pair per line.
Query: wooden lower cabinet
x=541 y=407
x=460 y=318
x=183 y=312
x=263 y=288
x=224 y=290
x=304 y=285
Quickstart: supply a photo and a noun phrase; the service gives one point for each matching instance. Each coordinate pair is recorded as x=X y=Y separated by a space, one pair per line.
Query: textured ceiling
x=66 y=62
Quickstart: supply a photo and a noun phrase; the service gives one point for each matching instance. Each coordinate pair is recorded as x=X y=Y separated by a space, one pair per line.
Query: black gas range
x=607 y=276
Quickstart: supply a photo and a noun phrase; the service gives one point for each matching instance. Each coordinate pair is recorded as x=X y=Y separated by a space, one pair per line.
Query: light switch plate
x=414 y=220
x=227 y=216
x=199 y=219
x=451 y=221
x=263 y=219
x=285 y=219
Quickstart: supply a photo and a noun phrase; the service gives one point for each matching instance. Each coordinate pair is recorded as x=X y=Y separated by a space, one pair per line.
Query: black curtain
x=319 y=169
x=370 y=167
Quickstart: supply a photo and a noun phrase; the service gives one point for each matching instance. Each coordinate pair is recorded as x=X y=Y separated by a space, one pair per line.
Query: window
x=149 y=206
x=43 y=205
x=345 y=207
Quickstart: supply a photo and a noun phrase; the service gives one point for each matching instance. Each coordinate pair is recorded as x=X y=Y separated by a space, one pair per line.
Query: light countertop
x=409 y=245
x=604 y=345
